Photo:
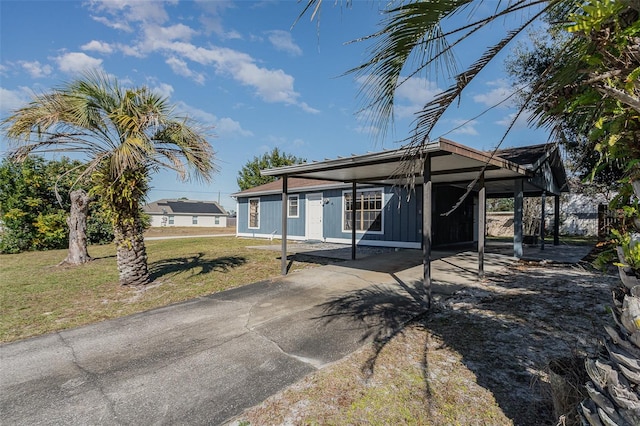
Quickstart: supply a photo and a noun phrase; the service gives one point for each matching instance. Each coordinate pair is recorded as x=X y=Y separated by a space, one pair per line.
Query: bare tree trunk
x=77 y=222
x=131 y=254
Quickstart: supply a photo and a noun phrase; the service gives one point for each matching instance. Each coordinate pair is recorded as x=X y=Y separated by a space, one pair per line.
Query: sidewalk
x=206 y=360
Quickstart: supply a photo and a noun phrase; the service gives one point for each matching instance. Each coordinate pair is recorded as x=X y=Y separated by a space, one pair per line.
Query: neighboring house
x=186 y=213
x=388 y=206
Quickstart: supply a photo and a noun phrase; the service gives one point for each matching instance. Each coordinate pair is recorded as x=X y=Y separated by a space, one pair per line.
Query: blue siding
x=402 y=216
x=270 y=216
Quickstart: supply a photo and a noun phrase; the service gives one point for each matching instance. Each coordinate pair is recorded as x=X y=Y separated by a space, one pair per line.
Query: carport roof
x=539 y=166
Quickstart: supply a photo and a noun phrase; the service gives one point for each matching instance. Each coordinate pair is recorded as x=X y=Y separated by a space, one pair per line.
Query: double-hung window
x=194 y=220
x=369 y=210
x=254 y=213
x=293 y=206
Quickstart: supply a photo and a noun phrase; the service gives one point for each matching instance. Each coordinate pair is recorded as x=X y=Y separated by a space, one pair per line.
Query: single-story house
x=186 y=213
x=391 y=190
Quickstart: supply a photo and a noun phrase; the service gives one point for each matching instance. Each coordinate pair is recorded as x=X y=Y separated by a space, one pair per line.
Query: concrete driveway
x=206 y=360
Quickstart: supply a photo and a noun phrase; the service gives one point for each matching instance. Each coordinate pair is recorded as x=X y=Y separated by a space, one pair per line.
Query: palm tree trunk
x=77 y=222
x=131 y=254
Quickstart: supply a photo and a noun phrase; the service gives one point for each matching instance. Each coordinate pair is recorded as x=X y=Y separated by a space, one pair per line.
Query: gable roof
x=186 y=207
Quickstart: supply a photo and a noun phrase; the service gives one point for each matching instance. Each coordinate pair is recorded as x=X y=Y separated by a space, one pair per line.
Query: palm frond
x=180 y=138
x=405 y=28
x=434 y=109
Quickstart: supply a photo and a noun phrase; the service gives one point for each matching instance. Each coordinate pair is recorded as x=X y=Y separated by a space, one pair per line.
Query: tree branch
x=625 y=98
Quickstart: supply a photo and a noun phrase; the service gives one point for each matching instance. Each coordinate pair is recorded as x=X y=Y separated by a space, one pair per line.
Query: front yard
x=39 y=297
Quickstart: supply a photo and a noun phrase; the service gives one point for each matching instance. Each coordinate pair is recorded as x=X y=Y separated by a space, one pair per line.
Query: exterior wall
x=401 y=224
x=158 y=220
x=270 y=217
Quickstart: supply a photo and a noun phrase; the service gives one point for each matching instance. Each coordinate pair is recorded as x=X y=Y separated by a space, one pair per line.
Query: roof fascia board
x=343 y=163
x=302 y=189
x=465 y=151
x=441 y=147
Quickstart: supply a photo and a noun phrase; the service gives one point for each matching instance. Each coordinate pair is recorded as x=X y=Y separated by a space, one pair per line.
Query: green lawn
x=39 y=297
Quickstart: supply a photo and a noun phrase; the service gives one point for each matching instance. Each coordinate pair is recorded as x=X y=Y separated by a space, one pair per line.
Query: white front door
x=314 y=217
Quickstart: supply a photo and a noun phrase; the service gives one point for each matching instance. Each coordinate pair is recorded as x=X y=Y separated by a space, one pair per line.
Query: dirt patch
x=480 y=357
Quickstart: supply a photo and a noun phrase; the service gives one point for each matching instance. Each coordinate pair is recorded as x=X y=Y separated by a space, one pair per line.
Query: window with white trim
x=293 y=210
x=216 y=220
x=254 y=213
x=194 y=220
x=171 y=219
x=369 y=212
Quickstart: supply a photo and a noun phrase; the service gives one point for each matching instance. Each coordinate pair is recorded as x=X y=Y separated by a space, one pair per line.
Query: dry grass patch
x=416 y=380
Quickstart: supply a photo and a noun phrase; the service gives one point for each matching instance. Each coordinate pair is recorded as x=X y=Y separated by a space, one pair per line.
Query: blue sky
x=240 y=67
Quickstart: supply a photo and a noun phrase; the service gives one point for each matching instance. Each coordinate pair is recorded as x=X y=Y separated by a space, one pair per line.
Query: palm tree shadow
x=198 y=264
x=502 y=340
x=383 y=310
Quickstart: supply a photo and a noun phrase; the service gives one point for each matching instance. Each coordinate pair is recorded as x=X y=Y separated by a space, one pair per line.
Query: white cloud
x=418 y=91
x=97 y=46
x=464 y=127
x=115 y=24
x=411 y=95
x=211 y=19
x=229 y=127
x=271 y=85
x=13 y=99
x=180 y=67
x=156 y=36
x=130 y=50
x=306 y=108
x=163 y=89
x=283 y=41
x=500 y=91
x=35 y=69
x=367 y=130
x=222 y=127
x=75 y=62
x=131 y=10
x=521 y=121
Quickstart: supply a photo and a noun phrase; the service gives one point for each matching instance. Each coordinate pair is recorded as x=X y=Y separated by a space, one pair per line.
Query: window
x=254 y=213
x=368 y=210
x=194 y=220
x=171 y=220
x=293 y=206
x=216 y=220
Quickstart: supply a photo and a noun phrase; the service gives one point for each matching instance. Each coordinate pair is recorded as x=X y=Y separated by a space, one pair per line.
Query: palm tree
x=124 y=135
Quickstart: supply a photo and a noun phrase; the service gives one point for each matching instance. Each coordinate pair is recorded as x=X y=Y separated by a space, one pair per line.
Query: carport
x=518 y=172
